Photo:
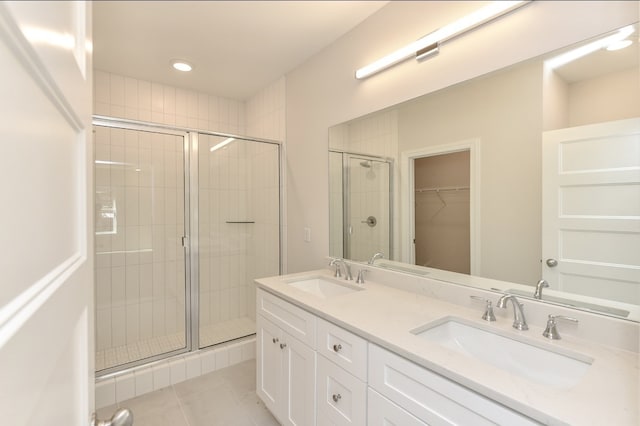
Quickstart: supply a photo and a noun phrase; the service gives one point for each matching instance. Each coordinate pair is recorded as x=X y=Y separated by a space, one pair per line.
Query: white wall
x=323 y=92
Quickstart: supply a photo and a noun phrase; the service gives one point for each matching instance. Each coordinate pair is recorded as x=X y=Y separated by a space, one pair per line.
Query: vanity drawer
x=431 y=397
x=293 y=320
x=342 y=398
x=382 y=412
x=343 y=348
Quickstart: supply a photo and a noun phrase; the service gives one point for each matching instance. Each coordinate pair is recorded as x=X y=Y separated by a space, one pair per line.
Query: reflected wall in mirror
x=576 y=202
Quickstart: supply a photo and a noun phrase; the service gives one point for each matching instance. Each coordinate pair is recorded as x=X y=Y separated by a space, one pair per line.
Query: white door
x=46 y=254
x=591 y=210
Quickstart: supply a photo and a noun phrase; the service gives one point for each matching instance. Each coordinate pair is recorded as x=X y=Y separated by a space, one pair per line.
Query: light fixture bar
x=466 y=23
x=431 y=50
x=221 y=144
x=581 y=51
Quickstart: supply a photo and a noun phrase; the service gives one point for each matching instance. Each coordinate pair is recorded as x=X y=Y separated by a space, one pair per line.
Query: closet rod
x=443 y=188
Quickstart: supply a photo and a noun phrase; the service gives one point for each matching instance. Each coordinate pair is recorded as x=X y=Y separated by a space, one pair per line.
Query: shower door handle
x=122 y=417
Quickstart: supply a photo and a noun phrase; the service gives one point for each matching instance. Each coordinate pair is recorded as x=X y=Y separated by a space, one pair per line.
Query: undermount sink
x=322 y=287
x=557 y=368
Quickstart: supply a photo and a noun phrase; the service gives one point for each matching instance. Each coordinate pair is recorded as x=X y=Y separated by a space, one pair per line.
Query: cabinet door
x=342 y=397
x=299 y=378
x=269 y=358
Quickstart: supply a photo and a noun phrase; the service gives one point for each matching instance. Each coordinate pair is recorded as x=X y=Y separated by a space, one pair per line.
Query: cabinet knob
x=283 y=345
x=337 y=347
x=336 y=397
x=275 y=340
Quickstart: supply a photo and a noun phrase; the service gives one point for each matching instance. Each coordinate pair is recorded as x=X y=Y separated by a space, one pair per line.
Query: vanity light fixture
x=429 y=44
x=181 y=65
x=221 y=144
x=603 y=43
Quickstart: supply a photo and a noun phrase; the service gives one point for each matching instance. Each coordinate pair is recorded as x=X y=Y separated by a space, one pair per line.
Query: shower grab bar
x=240 y=221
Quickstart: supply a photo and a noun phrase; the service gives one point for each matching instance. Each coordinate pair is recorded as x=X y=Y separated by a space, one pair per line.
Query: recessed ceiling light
x=619 y=45
x=182 y=66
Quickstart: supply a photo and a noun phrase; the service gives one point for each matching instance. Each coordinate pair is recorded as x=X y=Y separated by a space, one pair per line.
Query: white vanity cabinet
x=310 y=371
x=286 y=360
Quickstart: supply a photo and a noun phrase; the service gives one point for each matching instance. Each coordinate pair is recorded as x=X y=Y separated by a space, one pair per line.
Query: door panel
x=140 y=263
x=591 y=209
x=46 y=314
x=300 y=383
x=269 y=368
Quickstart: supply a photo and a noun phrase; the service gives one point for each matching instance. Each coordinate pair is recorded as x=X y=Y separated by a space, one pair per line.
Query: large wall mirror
x=525 y=174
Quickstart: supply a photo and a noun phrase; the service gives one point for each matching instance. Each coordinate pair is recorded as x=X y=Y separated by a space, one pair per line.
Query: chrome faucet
x=519 y=321
x=347 y=268
x=538 y=293
x=375 y=256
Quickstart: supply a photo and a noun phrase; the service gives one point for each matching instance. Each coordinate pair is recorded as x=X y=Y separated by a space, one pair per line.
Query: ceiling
x=236 y=47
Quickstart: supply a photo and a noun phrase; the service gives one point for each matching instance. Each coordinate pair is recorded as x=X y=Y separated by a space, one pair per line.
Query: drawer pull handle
x=275 y=340
x=337 y=347
x=336 y=397
x=283 y=345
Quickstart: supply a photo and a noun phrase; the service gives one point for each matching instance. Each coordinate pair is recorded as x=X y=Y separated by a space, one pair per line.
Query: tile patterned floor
x=209 y=335
x=225 y=397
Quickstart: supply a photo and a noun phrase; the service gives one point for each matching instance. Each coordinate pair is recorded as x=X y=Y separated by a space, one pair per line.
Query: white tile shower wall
x=135 y=99
x=144 y=379
x=140 y=219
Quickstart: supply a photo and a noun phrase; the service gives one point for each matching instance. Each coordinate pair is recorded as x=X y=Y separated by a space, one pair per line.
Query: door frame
x=407 y=196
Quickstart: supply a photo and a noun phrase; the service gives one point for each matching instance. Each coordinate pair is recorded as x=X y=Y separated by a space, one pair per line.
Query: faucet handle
x=488 y=313
x=336 y=262
x=551 y=332
x=360 y=278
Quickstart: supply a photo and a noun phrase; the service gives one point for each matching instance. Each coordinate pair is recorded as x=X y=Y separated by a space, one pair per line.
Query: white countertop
x=608 y=394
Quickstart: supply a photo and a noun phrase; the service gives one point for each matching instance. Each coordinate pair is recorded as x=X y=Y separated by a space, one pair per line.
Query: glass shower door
x=141 y=279
x=238 y=232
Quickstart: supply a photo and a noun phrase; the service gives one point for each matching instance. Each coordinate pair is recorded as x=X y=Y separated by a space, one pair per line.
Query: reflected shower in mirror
x=549 y=188
x=361 y=185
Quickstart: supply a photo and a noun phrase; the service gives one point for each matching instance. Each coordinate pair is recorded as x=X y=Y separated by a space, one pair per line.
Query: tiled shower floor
x=225 y=397
x=209 y=335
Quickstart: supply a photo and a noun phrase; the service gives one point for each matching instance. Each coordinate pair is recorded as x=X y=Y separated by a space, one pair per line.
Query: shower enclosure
x=360 y=205
x=184 y=222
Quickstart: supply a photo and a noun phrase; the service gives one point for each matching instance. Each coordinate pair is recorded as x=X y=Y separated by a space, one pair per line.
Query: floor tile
x=224 y=397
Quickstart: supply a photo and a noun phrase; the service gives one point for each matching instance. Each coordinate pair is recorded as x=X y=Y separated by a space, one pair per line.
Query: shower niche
x=184 y=222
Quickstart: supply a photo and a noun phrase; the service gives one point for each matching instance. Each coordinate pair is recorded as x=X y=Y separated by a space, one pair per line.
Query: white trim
x=22 y=307
x=407 y=198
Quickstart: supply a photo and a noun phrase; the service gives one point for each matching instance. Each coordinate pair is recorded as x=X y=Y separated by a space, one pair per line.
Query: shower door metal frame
x=167 y=130
x=346 y=210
